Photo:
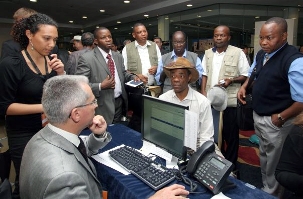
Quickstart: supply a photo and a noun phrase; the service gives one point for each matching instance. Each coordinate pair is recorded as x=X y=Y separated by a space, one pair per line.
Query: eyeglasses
x=92 y=103
x=178 y=42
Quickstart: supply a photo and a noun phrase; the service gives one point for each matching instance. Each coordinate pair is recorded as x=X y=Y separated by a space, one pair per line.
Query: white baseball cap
x=217 y=96
x=76 y=37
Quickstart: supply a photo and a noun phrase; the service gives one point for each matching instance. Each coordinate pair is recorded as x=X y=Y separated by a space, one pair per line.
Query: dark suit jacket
x=93 y=65
x=52 y=167
x=9 y=48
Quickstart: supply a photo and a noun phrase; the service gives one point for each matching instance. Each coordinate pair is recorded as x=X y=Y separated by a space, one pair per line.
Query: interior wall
x=4 y=34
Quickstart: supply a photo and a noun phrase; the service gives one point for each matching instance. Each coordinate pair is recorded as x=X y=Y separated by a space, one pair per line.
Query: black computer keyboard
x=152 y=173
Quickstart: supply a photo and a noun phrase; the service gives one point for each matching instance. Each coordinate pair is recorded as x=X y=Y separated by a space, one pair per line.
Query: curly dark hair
x=31 y=23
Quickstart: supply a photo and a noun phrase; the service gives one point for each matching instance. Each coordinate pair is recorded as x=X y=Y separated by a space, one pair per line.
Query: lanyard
x=35 y=66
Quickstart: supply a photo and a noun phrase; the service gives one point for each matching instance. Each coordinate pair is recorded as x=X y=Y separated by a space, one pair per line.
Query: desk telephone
x=209 y=168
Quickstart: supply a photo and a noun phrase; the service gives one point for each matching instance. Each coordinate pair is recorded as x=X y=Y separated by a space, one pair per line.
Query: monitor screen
x=163 y=124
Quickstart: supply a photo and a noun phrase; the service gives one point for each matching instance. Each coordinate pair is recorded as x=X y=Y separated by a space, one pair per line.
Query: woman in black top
x=289 y=171
x=21 y=82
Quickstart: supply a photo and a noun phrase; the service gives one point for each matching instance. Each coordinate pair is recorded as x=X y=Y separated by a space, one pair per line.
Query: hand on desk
x=172 y=192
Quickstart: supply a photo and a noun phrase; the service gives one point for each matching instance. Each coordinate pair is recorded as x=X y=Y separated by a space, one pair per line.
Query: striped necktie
x=265 y=59
x=111 y=65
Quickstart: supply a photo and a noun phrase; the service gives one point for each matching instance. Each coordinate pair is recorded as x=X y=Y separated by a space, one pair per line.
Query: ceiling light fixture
x=102 y=10
x=71 y=21
x=33 y=0
x=209 y=10
x=189 y=5
x=126 y=1
x=97 y=26
x=115 y=28
x=257 y=17
x=84 y=17
x=118 y=21
x=146 y=15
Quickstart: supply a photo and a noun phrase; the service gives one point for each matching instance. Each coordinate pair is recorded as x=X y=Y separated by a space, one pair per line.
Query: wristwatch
x=101 y=136
x=281 y=118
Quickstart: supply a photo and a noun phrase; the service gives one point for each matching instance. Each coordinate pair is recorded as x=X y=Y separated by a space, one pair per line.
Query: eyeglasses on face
x=94 y=102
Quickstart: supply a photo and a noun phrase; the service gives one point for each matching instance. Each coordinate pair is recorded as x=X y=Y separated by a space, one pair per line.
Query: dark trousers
x=16 y=145
x=118 y=109
x=230 y=135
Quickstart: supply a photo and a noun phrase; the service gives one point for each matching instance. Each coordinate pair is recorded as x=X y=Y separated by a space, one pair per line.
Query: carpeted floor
x=248 y=160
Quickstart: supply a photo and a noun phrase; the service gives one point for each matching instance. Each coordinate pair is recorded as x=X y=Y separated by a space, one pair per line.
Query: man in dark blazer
x=11 y=47
x=108 y=88
x=52 y=165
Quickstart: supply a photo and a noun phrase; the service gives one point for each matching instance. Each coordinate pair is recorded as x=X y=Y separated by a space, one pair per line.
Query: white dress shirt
x=118 y=88
x=144 y=56
x=200 y=105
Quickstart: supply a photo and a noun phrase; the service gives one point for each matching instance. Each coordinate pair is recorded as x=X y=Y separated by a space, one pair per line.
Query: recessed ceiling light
x=126 y=1
x=84 y=17
x=166 y=18
x=198 y=15
x=71 y=21
x=97 y=26
x=209 y=10
x=257 y=17
x=33 y=0
x=115 y=28
x=150 y=24
x=145 y=15
x=102 y=10
x=118 y=21
x=189 y=5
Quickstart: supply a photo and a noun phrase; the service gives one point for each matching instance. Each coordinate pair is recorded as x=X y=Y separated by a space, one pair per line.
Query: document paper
x=191 y=129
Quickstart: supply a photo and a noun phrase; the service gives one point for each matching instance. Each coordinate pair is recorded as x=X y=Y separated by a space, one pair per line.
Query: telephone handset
x=208 y=168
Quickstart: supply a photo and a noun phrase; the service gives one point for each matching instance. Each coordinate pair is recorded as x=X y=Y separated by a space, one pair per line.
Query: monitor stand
x=150 y=148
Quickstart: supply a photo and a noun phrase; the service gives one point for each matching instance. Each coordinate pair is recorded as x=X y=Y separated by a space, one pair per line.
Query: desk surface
x=128 y=186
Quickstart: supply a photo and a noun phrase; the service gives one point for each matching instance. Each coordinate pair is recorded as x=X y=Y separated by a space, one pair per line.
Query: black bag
x=245 y=111
x=135 y=97
x=245 y=114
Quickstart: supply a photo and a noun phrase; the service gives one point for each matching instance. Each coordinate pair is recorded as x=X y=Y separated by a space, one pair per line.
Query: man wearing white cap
x=77 y=44
x=182 y=73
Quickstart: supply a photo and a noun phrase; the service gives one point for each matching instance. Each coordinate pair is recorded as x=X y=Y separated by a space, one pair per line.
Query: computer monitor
x=163 y=124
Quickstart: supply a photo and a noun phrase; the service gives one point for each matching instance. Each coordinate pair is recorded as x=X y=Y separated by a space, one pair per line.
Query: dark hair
x=98 y=29
x=138 y=24
x=224 y=26
x=244 y=46
x=279 y=21
x=87 y=39
x=32 y=24
x=179 y=31
x=158 y=38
